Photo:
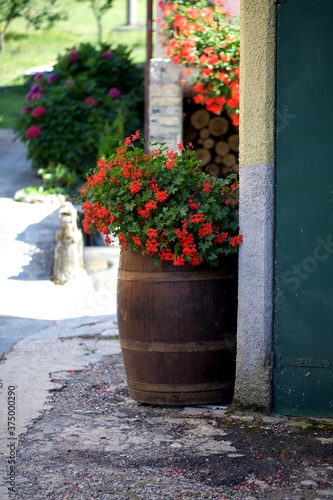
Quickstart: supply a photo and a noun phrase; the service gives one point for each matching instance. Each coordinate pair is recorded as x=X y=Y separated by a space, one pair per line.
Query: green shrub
x=112 y=135
x=69 y=111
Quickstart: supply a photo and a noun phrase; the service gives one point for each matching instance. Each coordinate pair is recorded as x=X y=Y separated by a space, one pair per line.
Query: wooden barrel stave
x=177 y=334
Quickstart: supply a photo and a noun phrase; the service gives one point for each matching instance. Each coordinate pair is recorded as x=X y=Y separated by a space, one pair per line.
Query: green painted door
x=303 y=339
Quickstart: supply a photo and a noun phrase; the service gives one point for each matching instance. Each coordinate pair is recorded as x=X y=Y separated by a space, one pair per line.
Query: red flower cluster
x=135 y=187
x=99 y=216
x=146 y=210
x=39 y=111
x=33 y=131
x=201 y=36
x=91 y=101
x=175 y=214
x=236 y=240
x=188 y=246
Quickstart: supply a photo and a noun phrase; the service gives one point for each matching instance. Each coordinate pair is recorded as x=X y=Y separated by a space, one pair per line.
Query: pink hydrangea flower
x=107 y=54
x=34 y=88
x=91 y=101
x=33 y=131
x=38 y=76
x=39 y=111
x=36 y=95
x=73 y=55
x=53 y=77
x=114 y=92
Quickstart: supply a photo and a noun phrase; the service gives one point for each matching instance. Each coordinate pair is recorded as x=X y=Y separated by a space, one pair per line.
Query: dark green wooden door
x=303 y=340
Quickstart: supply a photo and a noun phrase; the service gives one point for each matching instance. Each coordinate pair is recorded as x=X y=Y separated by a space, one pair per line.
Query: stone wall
x=165 y=103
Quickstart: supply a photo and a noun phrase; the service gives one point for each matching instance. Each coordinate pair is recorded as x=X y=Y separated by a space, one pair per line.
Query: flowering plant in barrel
x=162 y=205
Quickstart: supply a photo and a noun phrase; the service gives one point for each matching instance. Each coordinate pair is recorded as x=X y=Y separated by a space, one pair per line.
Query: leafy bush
x=68 y=112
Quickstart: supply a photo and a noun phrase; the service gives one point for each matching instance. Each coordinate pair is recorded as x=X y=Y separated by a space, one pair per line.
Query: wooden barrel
x=177 y=329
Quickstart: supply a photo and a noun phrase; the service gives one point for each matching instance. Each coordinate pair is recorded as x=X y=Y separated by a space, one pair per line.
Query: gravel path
x=98 y=443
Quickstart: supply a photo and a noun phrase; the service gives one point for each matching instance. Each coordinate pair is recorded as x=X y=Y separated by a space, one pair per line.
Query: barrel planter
x=177 y=329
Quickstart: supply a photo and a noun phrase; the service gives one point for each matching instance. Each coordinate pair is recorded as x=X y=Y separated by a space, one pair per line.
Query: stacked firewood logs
x=214 y=138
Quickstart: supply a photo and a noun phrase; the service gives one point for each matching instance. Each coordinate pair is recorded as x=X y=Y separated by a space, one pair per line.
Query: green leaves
x=38 y=14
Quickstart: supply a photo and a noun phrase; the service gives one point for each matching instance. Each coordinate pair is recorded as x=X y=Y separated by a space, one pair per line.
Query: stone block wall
x=165 y=103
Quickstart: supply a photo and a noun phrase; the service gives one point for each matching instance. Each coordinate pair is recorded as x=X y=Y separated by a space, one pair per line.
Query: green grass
x=11 y=103
x=26 y=48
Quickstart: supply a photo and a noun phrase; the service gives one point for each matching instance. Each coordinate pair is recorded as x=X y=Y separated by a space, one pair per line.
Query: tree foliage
x=99 y=7
x=37 y=13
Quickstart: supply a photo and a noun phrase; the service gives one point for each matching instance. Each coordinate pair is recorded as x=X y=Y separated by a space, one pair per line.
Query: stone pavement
x=34 y=311
x=68 y=429
x=27 y=239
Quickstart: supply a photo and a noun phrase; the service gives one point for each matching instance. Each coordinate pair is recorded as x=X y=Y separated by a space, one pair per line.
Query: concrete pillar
x=159 y=50
x=257 y=138
x=132 y=16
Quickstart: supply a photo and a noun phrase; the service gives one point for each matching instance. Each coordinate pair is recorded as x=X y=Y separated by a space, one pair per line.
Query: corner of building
x=253 y=388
